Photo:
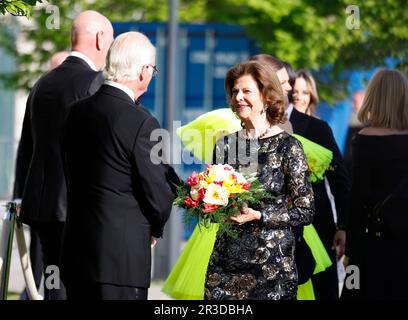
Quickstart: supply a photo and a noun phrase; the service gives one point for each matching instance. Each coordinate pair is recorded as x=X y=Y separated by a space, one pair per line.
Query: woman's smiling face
x=246 y=98
x=301 y=95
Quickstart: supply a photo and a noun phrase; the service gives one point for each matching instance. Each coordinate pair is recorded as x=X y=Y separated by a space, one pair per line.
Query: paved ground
x=156 y=294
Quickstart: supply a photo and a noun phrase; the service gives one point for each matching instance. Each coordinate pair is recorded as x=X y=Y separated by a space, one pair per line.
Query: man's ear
x=142 y=74
x=99 y=40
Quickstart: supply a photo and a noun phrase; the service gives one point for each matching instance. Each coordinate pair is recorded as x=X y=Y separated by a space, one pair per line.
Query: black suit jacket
x=117 y=195
x=319 y=131
x=39 y=178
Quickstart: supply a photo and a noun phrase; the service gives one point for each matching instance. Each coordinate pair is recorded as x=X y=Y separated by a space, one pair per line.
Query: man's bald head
x=88 y=23
x=92 y=34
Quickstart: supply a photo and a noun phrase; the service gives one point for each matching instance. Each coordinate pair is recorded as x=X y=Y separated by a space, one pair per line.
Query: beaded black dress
x=260 y=264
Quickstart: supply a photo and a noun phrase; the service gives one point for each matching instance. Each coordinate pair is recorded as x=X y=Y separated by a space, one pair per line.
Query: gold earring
x=265 y=107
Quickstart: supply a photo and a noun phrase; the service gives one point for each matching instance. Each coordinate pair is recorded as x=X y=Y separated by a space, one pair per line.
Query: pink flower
x=193 y=179
x=190 y=202
x=209 y=207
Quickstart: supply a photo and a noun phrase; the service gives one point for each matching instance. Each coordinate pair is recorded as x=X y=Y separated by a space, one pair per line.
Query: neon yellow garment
x=187 y=278
x=318 y=158
x=322 y=259
x=305 y=291
x=199 y=136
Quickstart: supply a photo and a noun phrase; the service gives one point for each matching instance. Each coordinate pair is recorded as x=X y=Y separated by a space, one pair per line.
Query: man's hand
x=247 y=215
x=153 y=242
x=339 y=243
x=18 y=205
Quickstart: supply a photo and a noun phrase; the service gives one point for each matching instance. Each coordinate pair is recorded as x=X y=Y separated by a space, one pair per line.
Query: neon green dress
x=187 y=278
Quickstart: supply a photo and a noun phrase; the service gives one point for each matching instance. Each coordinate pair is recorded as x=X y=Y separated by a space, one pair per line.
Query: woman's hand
x=247 y=215
x=153 y=242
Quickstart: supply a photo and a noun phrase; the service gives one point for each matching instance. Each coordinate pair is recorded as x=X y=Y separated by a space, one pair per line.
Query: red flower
x=218 y=182
x=246 y=186
x=193 y=179
x=209 y=207
x=201 y=192
x=190 y=202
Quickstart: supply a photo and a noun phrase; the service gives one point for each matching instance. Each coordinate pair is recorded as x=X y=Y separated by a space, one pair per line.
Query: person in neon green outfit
x=186 y=280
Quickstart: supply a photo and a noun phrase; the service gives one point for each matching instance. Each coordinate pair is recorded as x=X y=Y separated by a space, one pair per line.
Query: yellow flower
x=234 y=188
x=229 y=180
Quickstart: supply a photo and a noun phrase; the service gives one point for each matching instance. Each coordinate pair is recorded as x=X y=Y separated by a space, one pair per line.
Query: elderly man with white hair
x=118 y=195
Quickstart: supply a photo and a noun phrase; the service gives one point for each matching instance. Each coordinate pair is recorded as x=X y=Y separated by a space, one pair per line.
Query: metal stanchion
x=7 y=239
x=11 y=223
x=31 y=288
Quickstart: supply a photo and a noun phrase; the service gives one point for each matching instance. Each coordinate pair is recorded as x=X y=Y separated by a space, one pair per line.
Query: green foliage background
x=306 y=33
x=17 y=7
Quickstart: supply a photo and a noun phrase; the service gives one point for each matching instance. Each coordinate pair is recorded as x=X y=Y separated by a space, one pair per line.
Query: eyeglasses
x=155 y=70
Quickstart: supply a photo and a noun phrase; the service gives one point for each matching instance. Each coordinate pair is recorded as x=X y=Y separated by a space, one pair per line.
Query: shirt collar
x=122 y=87
x=85 y=58
x=289 y=110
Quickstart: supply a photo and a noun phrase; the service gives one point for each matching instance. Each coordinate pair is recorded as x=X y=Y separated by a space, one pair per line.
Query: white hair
x=127 y=55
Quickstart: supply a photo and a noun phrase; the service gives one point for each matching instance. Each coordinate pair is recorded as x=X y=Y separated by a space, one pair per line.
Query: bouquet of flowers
x=215 y=195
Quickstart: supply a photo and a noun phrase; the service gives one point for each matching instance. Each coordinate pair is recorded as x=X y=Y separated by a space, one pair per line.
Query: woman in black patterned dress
x=260 y=264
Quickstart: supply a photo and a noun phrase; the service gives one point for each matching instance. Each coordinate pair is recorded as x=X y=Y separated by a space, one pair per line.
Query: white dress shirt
x=289 y=110
x=85 y=58
x=122 y=87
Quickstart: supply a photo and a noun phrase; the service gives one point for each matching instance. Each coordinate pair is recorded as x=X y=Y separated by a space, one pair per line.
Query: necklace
x=263 y=134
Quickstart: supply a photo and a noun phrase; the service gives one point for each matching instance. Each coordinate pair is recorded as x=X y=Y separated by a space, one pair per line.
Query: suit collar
x=116 y=92
x=122 y=87
x=299 y=121
x=75 y=60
